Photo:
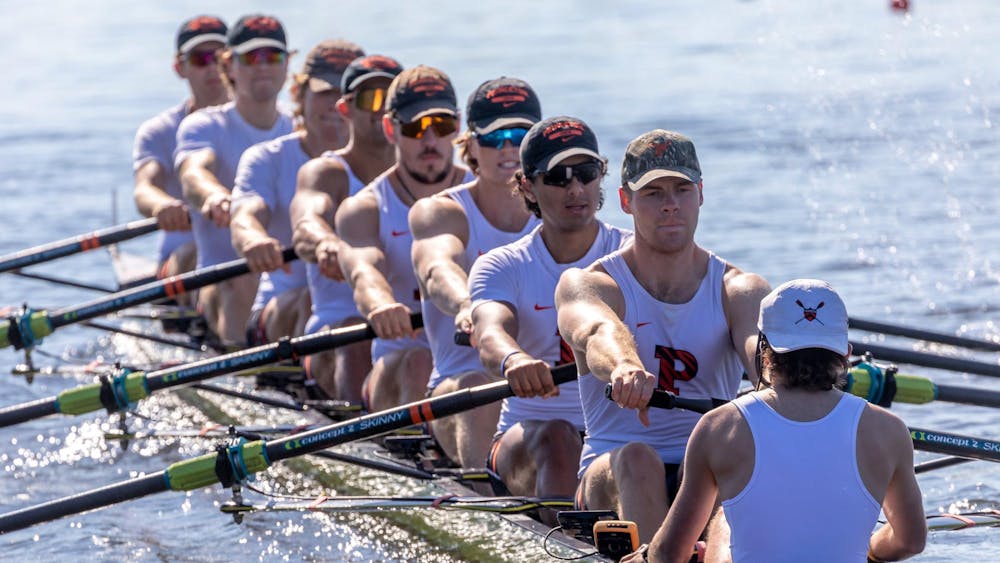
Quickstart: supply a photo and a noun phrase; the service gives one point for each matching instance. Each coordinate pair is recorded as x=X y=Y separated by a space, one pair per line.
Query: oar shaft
x=926 y=335
x=98 y=498
x=928 y=360
x=955 y=444
x=16 y=414
x=74 y=245
x=969 y=396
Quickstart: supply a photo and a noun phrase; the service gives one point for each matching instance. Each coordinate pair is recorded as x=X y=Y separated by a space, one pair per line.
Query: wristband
x=503 y=362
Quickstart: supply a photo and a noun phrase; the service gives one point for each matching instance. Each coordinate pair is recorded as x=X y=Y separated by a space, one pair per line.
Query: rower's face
x=665 y=212
x=496 y=165
x=364 y=108
x=201 y=68
x=569 y=207
x=319 y=112
x=429 y=156
x=259 y=74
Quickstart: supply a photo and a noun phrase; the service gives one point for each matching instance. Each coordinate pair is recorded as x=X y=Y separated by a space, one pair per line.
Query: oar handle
x=76 y=244
x=666 y=400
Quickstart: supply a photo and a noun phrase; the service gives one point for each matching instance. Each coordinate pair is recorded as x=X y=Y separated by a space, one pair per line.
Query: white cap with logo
x=804 y=313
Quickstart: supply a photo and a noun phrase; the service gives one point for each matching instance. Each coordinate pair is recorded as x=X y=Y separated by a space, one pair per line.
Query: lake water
x=839 y=140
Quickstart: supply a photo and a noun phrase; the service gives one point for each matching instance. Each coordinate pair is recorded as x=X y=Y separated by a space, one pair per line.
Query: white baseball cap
x=804 y=314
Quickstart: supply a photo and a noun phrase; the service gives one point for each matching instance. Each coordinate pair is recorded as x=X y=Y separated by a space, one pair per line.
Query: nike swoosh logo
x=641 y=325
x=541 y=308
x=399 y=233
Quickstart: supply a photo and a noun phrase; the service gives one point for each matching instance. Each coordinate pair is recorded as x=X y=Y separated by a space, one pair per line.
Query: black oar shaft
x=74 y=245
x=955 y=444
x=969 y=396
x=939 y=463
x=926 y=335
x=24 y=412
x=98 y=498
x=61 y=281
x=927 y=360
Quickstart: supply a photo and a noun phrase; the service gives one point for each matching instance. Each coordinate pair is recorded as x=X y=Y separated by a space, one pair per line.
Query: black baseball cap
x=555 y=139
x=365 y=68
x=502 y=102
x=326 y=62
x=256 y=31
x=420 y=91
x=657 y=154
x=198 y=30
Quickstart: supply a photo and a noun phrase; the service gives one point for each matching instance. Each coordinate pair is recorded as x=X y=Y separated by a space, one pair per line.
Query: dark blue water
x=838 y=140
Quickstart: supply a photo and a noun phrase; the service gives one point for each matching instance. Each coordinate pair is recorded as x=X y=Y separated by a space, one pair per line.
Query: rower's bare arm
x=250 y=239
x=495 y=330
x=591 y=308
x=362 y=260
x=152 y=199
x=742 y=294
x=320 y=188
x=905 y=532
x=695 y=500
x=202 y=188
x=440 y=229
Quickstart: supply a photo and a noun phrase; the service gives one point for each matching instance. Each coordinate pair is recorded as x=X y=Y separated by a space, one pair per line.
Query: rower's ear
x=389 y=128
x=625 y=200
x=701 y=192
x=342 y=107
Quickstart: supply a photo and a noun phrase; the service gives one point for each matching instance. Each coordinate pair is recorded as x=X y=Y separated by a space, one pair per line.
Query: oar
x=74 y=245
x=939 y=463
x=923 y=359
x=26 y=330
x=498 y=505
x=915 y=389
x=925 y=335
x=238 y=462
x=61 y=281
x=118 y=393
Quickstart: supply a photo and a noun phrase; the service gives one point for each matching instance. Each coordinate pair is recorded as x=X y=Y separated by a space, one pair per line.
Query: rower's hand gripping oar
x=27 y=328
x=77 y=244
x=237 y=462
x=118 y=393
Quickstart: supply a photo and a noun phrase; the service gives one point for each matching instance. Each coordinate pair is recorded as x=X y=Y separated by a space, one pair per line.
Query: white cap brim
x=504 y=122
x=561 y=156
x=199 y=39
x=366 y=77
x=656 y=174
x=258 y=43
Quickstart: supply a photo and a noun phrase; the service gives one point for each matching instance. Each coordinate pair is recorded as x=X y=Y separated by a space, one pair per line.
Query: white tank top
x=449 y=358
x=223 y=130
x=332 y=301
x=687 y=345
x=268 y=171
x=805 y=475
x=523 y=274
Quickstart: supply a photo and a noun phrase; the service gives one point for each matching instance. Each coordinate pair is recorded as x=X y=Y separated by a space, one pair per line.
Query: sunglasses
x=371 y=100
x=496 y=139
x=561 y=176
x=443 y=125
x=264 y=55
x=201 y=58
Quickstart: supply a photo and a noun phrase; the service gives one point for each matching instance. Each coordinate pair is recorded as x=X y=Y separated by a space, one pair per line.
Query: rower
x=323 y=183
x=210 y=143
x=662 y=313
x=421 y=121
x=454 y=228
x=265 y=186
x=779 y=453
x=536 y=449
x=157 y=188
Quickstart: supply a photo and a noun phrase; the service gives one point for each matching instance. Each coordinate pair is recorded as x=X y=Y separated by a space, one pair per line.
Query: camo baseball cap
x=420 y=91
x=658 y=154
x=198 y=30
x=256 y=31
x=804 y=313
x=502 y=102
x=555 y=139
x=365 y=68
x=326 y=62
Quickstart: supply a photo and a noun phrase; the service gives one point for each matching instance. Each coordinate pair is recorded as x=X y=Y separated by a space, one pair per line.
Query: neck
x=196 y=102
x=315 y=144
x=409 y=189
x=671 y=277
x=569 y=246
x=367 y=160
x=500 y=204
x=261 y=115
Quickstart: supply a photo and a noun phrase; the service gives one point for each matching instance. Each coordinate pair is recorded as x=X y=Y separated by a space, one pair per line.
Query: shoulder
x=435 y=214
x=722 y=424
x=592 y=283
x=743 y=287
x=322 y=172
x=877 y=421
x=203 y=120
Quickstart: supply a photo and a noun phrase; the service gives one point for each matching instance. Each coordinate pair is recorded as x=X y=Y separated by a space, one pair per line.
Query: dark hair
x=815 y=369
x=462 y=144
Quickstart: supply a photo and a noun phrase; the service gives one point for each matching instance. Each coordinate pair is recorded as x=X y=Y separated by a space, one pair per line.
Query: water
x=838 y=140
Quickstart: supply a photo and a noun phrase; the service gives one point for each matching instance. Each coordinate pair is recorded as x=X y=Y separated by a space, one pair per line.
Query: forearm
x=245 y=229
x=199 y=185
x=150 y=197
x=447 y=286
x=371 y=289
x=309 y=232
x=608 y=347
x=495 y=344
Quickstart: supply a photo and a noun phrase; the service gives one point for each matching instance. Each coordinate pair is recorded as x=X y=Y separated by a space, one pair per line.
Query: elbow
x=915 y=544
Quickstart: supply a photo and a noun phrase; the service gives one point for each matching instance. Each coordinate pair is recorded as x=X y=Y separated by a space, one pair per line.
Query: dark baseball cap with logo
x=326 y=62
x=366 y=68
x=502 y=102
x=198 y=30
x=256 y=31
x=658 y=154
x=555 y=139
x=420 y=91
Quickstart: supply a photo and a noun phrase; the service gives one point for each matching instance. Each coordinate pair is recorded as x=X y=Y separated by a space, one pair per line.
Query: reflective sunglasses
x=496 y=139
x=264 y=55
x=562 y=175
x=201 y=58
x=443 y=125
x=370 y=99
